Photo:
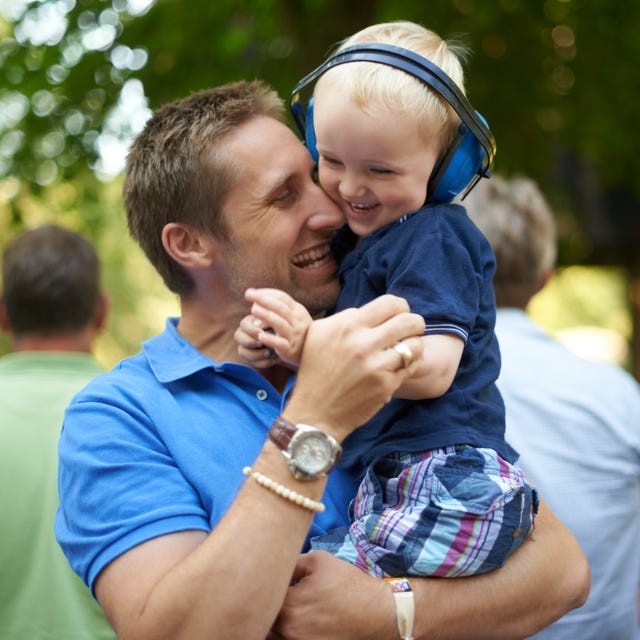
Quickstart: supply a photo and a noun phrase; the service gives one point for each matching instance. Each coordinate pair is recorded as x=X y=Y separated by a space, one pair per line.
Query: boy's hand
x=250 y=348
x=281 y=323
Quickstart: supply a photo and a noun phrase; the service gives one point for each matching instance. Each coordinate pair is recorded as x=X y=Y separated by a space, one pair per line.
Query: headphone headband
x=413 y=64
x=469 y=157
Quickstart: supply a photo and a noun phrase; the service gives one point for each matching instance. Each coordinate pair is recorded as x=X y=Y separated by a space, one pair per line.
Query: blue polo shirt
x=157 y=446
x=441 y=263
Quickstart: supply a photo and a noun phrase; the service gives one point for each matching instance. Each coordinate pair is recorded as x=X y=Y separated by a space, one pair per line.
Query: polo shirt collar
x=172 y=357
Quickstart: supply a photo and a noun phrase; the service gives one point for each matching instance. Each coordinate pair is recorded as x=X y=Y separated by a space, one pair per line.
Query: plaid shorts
x=455 y=511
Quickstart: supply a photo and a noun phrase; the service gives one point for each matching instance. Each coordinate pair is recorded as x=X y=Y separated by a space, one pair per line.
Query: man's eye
x=284 y=196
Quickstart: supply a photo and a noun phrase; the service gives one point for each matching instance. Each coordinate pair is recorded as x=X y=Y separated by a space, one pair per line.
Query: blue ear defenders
x=471 y=154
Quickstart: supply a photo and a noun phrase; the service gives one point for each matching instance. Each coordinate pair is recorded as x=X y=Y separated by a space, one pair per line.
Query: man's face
x=280 y=221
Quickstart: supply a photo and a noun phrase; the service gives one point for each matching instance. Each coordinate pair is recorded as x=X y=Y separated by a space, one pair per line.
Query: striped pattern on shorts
x=449 y=512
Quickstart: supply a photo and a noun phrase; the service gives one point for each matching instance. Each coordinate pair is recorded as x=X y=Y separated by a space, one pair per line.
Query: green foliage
x=557 y=81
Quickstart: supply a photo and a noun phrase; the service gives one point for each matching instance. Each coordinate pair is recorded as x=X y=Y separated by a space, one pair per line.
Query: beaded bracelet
x=284 y=492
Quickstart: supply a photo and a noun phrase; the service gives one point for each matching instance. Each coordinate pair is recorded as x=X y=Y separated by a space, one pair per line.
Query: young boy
x=440 y=494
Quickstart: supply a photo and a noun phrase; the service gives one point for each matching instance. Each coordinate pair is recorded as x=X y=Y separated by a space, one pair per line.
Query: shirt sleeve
x=441 y=278
x=118 y=485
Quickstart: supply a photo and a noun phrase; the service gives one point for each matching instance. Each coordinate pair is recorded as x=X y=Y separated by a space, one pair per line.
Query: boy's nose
x=351 y=187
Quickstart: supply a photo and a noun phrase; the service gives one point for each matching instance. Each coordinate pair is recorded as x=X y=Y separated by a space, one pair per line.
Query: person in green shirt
x=52 y=308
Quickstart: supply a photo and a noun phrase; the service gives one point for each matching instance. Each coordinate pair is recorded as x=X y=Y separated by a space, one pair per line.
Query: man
x=156 y=514
x=575 y=423
x=52 y=309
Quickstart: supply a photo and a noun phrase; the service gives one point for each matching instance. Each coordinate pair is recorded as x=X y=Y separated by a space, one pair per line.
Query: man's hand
x=350 y=369
x=330 y=598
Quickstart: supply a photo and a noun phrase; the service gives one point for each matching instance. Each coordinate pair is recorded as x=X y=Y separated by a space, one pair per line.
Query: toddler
x=440 y=494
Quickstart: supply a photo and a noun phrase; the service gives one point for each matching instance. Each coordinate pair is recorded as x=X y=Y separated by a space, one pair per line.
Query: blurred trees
x=557 y=80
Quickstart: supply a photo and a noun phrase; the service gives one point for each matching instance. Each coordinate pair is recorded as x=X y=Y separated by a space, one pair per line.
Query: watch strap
x=404 y=605
x=281 y=432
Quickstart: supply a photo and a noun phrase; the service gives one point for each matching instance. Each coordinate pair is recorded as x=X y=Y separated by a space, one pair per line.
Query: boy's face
x=375 y=163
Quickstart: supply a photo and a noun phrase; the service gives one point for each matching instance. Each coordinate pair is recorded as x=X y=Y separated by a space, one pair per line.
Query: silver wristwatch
x=309 y=452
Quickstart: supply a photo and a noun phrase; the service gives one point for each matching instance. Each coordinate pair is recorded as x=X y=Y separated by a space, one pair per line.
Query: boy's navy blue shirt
x=441 y=263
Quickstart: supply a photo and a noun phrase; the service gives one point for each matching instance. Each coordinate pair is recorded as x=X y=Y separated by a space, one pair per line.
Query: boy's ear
x=188 y=247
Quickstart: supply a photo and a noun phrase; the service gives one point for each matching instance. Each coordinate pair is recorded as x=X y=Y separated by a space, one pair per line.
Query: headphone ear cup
x=463 y=161
x=310 y=132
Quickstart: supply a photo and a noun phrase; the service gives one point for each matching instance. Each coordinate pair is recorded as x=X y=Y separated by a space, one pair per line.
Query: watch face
x=312 y=453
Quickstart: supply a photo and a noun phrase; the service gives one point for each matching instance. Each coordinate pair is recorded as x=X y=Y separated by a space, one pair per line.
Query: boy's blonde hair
x=374 y=84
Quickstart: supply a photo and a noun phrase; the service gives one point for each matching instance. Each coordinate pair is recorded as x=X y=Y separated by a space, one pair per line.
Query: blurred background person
x=52 y=308
x=575 y=423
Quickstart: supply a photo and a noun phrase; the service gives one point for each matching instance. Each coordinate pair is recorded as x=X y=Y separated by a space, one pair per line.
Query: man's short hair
x=177 y=170
x=50 y=282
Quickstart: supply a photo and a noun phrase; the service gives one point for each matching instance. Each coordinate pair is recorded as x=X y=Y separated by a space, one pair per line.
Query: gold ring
x=404 y=352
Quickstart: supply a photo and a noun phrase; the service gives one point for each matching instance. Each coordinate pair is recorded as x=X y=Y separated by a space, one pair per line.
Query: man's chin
x=319 y=299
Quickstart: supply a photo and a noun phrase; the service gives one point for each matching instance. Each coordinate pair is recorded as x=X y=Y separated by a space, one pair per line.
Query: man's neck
x=211 y=332
x=77 y=343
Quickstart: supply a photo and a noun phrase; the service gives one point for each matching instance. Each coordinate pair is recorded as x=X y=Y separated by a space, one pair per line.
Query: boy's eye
x=380 y=170
x=331 y=161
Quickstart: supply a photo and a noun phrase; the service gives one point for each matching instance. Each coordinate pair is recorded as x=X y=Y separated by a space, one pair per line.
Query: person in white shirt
x=575 y=423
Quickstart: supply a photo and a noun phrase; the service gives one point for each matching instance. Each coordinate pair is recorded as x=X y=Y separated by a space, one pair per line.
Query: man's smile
x=312 y=258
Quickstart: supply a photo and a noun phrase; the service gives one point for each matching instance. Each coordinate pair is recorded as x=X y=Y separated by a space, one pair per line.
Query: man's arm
x=231 y=582
x=547 y=577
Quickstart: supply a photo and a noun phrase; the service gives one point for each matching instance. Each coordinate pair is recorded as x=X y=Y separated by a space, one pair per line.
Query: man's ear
x=189 y=248
x=544 y=278
x=4 y=319
x=101 y=314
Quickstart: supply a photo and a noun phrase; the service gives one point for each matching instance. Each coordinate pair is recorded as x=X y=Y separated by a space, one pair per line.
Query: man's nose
x=325 y=213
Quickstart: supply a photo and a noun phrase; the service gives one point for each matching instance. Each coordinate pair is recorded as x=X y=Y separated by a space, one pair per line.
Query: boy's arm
x=437 y=368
